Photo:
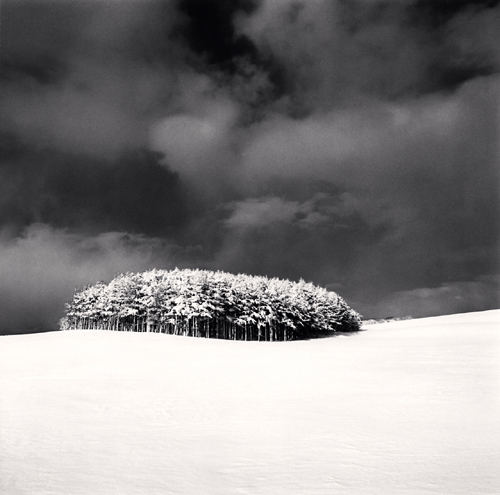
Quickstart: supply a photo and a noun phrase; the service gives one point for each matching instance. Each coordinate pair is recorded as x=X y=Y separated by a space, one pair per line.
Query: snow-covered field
x=403 y=407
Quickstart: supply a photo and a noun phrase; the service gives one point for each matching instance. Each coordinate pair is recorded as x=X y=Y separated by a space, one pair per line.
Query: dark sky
x=351 y=143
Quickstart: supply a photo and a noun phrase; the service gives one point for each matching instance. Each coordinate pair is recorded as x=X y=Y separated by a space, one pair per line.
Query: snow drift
x=403 y=407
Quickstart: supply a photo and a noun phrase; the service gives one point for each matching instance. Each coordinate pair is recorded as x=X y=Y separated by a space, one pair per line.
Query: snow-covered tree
x=210 y=304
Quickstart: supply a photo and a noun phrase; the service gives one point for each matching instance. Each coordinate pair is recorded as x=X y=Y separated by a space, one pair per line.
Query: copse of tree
x=202 y=303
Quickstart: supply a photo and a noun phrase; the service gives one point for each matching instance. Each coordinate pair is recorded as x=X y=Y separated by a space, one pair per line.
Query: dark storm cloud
x=351 y=143
x=211 y=31
x=335 y=52
x=132 y=192
x=447 y=298
x=86 y=77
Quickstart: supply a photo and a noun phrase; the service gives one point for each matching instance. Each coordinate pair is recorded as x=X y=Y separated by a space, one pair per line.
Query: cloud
x=338 y=51
x=73 y=121
x=367 y=143
x=262 y=211
x=335 y=52
x=448 y=298
x=271 y=210
x=472 y=36
x=197 y=141
x=314 y=239
x=132 y=192
x=86 y=77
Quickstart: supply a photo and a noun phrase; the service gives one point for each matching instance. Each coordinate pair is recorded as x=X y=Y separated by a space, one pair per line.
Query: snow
x=408 y=407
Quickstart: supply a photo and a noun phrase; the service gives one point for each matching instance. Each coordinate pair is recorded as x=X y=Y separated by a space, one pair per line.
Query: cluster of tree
x=203 y=303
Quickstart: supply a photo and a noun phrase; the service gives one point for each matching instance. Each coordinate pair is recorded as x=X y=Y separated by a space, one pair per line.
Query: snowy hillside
x=406 y=407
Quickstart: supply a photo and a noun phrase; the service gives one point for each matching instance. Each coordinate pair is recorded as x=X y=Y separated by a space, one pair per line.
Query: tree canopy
x=211 y=304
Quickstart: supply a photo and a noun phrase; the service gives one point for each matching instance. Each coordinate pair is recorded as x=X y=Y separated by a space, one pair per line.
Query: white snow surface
x=399 y=408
